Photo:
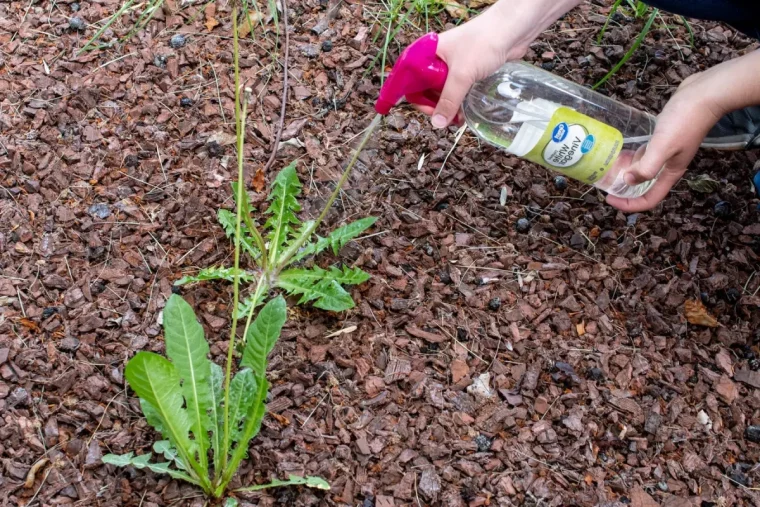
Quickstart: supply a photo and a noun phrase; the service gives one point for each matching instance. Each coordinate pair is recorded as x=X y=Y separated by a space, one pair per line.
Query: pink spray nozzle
x=418 y=76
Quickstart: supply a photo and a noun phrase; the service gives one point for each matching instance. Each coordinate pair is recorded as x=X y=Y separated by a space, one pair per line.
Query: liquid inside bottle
x=560 y=125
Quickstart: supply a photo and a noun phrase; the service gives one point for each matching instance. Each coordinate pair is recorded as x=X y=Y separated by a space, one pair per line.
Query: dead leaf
x=697 y=314
x=280 y=418
x=210 y=11
x=259 y=181
x=581 y=328
x=345 y=330
x=477 y=4
x=246 y=25
x=29 y=325
x=32 y=474
x=456 y=10
x=222 y=138
x=703 y=184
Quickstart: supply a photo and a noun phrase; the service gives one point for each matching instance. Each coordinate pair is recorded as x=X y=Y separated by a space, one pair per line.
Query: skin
x=506 y=30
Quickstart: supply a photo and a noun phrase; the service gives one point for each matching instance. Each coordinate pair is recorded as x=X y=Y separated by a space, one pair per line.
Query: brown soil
x=598 y=384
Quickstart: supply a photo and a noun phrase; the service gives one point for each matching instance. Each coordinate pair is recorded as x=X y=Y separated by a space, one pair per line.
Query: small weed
x=206 y=416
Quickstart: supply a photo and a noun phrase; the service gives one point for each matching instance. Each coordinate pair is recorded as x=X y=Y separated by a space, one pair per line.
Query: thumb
x=656 y=155
x=451 y=99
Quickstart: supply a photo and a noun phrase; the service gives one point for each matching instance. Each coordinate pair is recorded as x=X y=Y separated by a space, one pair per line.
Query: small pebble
x=49 y=312
x=185 y=102
x=483 y=443
x=445 y=277
x=75 y=7
x=722 y=209
x=327 y=46
x=560 y=183
x=160 y=61
x=632 y=219
x=523 y=225
x=752 y=433
x=77 y=23
x=662 y=486
x=99 y=210
x=19 y=397
x=177 y=41
x=494 y=304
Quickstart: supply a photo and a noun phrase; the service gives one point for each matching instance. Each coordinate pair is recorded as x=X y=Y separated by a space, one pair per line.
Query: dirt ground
x=599 y=391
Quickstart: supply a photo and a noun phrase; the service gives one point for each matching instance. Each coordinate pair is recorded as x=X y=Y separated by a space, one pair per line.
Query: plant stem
x=239 y=126
x=293 y=249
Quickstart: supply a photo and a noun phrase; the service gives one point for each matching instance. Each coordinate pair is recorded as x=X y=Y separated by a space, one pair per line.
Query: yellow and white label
x=578 y=146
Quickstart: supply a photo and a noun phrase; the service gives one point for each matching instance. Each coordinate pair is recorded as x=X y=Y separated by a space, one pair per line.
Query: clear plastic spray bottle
x=535 y=115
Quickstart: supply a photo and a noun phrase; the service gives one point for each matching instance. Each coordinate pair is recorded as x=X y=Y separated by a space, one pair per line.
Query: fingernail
x=439 y=121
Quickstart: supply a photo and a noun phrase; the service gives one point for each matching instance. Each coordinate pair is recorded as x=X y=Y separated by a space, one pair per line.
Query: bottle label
x=578 y=146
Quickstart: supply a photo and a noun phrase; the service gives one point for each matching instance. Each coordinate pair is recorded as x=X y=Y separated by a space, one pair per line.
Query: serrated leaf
x=703 y=184
x=282 y=210
x=215 y=273
x=336 y=240
x=188 y=350
x=143 y=461
x=156 y=380
x=242 y=394
x=262 y=335
x=165 y=448
x=228 y=220
x=217 y=422
x=342 y=235
x=244 y=306
x=119 y=460
x=293 y=480
x=323 y=287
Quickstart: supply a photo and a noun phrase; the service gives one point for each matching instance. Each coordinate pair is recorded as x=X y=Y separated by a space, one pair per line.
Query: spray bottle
x=536 y=115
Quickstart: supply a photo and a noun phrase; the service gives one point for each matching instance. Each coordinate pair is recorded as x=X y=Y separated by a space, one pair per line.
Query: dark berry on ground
x=722 y=209
x=523 y=225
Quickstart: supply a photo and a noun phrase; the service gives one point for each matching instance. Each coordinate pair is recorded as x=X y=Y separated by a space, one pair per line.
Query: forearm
x=535 y=15
x=738 y=82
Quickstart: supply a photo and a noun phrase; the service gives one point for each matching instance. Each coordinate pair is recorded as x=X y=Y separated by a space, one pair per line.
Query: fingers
x=452 y=96
x=667 y=179
x=659 y=150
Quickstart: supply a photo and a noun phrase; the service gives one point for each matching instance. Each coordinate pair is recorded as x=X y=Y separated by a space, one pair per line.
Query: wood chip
x=425 y=335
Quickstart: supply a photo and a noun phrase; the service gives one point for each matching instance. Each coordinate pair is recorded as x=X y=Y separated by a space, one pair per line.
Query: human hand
x=476 y=49
x=698 y=104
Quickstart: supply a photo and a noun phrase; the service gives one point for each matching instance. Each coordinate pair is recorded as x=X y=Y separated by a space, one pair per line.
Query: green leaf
x=293 y=480
x=262 y=335
x=188 y=350
x=166 y=448
x=336 y=240
x=156 y=380
x=217 y=421
x=151 y=415
x=342 y=235
x=215 y=273
x=143 y=461
x=322 y=286
x=703 y=184
x=228 y=219
x=244 y=306
x=242 y=393
x=231 y=502
x=282 y=210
